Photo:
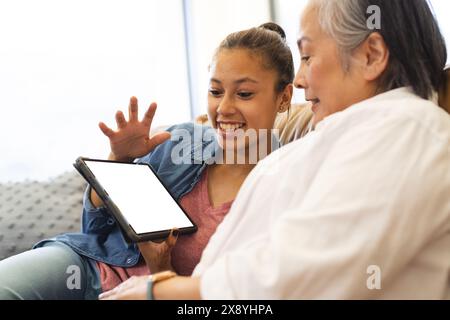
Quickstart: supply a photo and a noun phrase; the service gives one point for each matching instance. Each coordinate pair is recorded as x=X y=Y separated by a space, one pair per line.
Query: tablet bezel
x=128 y=232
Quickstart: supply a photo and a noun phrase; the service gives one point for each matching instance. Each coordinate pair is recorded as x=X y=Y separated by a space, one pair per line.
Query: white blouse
x=359 y=208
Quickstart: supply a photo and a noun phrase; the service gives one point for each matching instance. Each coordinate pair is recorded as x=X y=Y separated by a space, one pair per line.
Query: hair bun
x=275 y=28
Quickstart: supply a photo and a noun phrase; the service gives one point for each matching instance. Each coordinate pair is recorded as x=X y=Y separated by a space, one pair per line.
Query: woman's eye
x=214 y=93
x=245 y=95
x=306 y=59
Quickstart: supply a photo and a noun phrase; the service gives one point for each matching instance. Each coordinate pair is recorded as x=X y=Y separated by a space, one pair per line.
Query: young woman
x=251 y=82
x=360 y=208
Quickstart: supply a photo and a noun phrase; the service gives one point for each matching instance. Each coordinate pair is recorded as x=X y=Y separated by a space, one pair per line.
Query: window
x=209 y=22
x=66 y=65
x=287 y=15
x=441 y=9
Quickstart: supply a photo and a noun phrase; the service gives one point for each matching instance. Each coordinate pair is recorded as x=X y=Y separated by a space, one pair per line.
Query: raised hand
x=132 y=139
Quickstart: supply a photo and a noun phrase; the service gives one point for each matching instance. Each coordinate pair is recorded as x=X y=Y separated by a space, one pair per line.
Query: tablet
x=136 y=197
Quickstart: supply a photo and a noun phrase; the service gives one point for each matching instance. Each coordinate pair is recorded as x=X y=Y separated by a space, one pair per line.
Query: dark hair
x=417 y=48
x=269 y=41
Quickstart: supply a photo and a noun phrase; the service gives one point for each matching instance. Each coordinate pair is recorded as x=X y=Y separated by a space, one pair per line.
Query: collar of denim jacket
x=205 y=146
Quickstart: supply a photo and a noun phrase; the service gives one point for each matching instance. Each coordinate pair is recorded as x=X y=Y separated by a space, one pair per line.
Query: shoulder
x=187 y=137
x=190 y=128
x=395 y=111
x=408 y=110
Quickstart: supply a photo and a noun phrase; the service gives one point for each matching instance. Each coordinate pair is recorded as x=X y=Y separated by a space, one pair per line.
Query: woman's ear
x=285 y=98
x=375 y=56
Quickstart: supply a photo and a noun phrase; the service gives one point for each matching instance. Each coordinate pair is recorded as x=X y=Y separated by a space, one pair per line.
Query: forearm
x=178 y=288
x=95 y=199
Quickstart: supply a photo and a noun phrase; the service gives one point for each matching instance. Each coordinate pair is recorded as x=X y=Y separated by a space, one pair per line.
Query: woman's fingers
x=106 y=295
x=120 y=119
x=106 y=130
x=151 y=246
x=134 y=288
x=145 y=248
x=121 y=289
x=148 y=117
x=114 y=294
x=173 y=237
x=109 y=294
x=133 y=110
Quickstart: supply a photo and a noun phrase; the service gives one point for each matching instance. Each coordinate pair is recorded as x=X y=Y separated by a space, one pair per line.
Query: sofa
x=34 y=210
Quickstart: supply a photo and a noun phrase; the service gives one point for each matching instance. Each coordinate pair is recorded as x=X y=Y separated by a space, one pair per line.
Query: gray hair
x=342 y=20
x=417 y=50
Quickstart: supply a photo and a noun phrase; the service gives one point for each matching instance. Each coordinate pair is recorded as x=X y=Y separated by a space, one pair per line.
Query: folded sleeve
x=95 y=220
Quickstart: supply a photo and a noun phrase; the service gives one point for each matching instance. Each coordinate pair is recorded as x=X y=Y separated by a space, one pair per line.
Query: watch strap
x=154 y=278
x=150 y=288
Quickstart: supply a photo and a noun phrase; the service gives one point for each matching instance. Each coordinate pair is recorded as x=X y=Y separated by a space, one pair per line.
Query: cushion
x=31 y=211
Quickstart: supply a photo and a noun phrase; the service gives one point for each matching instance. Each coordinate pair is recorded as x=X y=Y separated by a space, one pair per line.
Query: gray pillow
x=31 y=211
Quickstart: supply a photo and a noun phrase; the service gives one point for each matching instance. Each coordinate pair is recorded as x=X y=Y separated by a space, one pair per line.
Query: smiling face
x=242 y=96
x=321 y=75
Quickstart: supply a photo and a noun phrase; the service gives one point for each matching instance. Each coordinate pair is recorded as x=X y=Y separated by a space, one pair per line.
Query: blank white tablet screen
x=142 y=199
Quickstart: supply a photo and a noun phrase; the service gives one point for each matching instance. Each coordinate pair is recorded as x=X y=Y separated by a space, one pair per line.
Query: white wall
x=442 y=10
x=66 y=65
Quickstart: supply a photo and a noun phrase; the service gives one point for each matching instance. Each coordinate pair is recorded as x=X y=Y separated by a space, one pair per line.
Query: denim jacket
x=101 y=238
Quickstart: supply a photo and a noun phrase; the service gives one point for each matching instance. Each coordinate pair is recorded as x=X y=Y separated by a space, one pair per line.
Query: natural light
x=66 y=65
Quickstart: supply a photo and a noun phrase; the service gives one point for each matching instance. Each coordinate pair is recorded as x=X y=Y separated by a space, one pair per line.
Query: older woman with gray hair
x=360 y=207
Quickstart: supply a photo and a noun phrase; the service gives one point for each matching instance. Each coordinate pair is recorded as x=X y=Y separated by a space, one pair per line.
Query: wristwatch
x=155 y=278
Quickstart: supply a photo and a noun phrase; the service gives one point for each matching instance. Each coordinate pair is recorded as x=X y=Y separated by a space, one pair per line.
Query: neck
x=235 y=169
x=246 y=158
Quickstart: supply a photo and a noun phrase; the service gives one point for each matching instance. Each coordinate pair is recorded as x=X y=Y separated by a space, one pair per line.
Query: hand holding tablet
x=136 y=197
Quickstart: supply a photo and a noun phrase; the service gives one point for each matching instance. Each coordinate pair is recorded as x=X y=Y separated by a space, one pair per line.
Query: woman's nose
x=226 y=106
x=300 y=81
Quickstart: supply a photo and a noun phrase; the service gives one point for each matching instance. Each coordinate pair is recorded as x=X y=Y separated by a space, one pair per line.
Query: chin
x=317 y=118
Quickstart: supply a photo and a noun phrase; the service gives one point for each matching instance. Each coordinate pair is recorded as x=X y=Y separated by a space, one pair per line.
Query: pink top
x=188 y=250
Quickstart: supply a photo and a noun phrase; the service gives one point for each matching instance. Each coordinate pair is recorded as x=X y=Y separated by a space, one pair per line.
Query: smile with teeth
x=229 y=127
